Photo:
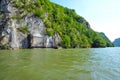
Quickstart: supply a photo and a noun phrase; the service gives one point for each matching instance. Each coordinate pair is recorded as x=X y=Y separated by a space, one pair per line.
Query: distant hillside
x=108 y=42
x=41 y=23
x=116 y=42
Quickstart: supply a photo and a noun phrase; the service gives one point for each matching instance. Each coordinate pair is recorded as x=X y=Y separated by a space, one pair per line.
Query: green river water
x=60 y=64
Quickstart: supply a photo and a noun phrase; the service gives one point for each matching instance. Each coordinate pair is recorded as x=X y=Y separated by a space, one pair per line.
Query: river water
x=60 y=64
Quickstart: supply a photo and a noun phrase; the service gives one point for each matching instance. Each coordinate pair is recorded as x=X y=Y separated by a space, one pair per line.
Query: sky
x=103 y=15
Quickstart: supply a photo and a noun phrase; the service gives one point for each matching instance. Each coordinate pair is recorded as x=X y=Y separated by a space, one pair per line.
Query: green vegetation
x=1 y=16
x=108 y=42
x=24 y=29
x=73 y=29
x=4 y=46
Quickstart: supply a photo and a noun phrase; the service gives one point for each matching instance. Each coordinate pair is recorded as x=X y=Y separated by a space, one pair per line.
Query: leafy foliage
x=73 y=29
x=24 y=29
x=108 y=42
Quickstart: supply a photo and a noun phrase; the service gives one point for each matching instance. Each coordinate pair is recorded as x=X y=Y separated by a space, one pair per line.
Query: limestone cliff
x=23 y=33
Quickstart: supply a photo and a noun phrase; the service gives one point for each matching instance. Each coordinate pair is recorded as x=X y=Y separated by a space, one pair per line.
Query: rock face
x=116 y=42
x=27 y=32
